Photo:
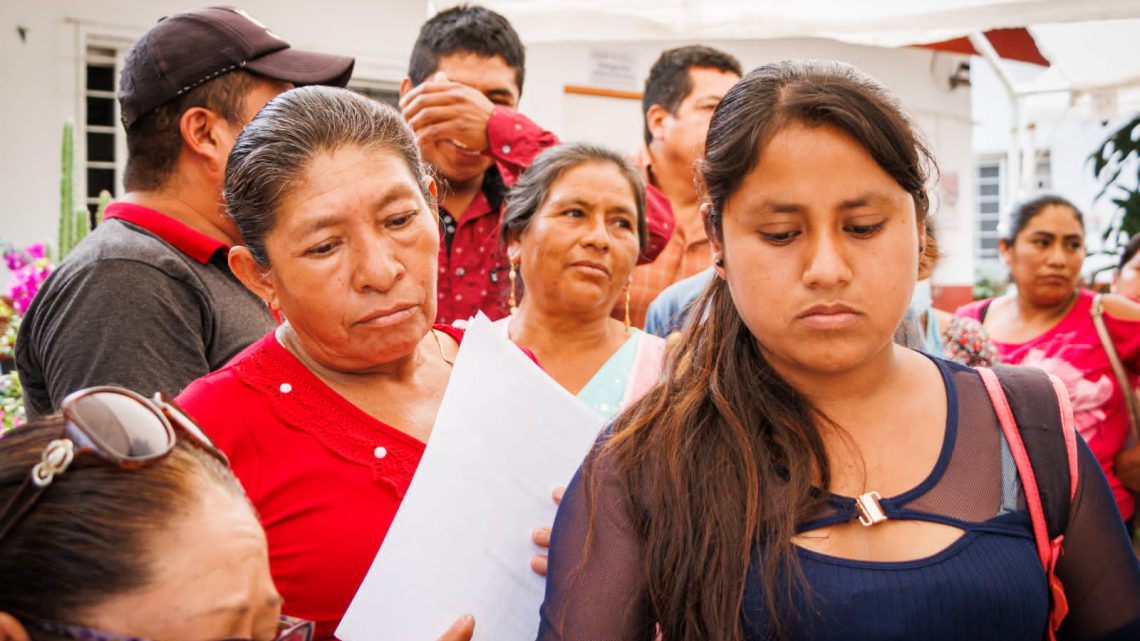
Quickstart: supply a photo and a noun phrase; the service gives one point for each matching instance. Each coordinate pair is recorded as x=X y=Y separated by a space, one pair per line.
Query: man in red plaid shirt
x=464 y=81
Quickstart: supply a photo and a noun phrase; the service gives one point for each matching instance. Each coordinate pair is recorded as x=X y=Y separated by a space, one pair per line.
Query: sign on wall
x=614 y=69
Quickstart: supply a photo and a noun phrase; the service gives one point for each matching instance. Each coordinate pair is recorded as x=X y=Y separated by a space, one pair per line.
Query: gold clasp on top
x=56 y=458
x=870 y=510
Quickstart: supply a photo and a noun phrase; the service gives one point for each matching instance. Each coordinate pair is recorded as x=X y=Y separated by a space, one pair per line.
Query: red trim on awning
x=1011 y=44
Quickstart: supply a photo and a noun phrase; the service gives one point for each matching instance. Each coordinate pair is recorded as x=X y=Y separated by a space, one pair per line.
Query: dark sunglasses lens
x=122 y=425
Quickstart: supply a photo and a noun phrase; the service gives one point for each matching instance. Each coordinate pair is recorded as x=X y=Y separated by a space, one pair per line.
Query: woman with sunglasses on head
x=574 y=226
x=795 y=474
x=1048 y=323
x=112 y=529
x=325 y=419
x=120 y=520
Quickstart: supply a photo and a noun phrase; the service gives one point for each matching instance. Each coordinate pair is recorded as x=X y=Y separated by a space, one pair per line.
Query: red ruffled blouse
x=326 y=478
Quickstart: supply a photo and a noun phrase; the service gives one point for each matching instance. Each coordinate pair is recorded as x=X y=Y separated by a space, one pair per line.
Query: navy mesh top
x=988 y=584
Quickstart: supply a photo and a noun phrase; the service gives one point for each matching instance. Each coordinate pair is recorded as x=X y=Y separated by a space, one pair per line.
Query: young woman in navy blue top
x=724 y=505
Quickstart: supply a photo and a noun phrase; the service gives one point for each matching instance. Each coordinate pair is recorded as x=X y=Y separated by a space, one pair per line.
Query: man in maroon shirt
x=464 y=82
x=147 y=301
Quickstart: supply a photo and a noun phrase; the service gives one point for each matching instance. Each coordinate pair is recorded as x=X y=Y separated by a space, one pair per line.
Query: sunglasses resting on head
x=124 y=429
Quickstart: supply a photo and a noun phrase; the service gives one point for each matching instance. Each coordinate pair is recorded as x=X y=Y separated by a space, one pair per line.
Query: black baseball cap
x=187 y=49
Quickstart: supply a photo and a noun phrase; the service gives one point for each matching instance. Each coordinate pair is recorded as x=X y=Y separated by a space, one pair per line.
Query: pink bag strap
x=1069 y=428
x=1049 y=551
x=1118 y=369
x=1021 y=458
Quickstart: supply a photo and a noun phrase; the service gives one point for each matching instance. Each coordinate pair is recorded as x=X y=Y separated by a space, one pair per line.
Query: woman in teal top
x=574 y=227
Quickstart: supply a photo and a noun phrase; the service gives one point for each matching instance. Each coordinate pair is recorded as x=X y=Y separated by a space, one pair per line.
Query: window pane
x=101 y=111
x=100 y=78
x=100 y=147
x=988 y=224
x=98 y=180
x=988 y=171
x=988 y=190
x=988 y=207
x=390 y=96
x=989 y=243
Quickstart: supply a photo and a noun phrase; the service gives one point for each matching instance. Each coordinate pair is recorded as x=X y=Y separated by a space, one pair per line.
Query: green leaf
x=1109 y=161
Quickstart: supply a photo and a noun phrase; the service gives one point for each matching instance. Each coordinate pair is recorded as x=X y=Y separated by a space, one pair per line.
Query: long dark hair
x=723 y=453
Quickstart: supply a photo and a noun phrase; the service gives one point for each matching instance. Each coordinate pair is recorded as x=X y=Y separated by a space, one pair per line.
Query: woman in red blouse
x=326 y=418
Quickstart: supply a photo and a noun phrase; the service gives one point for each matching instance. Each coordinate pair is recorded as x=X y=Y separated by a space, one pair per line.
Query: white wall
x=1065 y=127
x=917 y=76
x=42 y=76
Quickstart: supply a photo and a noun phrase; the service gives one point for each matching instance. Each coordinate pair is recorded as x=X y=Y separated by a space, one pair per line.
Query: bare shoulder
x=1121 y=307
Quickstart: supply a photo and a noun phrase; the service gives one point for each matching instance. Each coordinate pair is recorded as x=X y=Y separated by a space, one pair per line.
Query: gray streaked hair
x=280 y=143
x=533 y=187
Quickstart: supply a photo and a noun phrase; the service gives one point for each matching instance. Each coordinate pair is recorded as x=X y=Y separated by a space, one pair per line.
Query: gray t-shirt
x=129 y=308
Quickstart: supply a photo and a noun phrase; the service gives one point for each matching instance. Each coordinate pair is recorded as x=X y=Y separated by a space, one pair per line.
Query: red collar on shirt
x=189 y=241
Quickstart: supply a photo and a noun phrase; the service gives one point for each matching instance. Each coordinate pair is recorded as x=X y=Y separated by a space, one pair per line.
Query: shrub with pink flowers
x=30 y=267
x=11 y=402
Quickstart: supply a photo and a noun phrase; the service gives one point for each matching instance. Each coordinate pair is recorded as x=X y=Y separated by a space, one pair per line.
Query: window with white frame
x=991 y=173
x=1043 y=173
x=381 y=91
x=991 y=200
x=100 y=127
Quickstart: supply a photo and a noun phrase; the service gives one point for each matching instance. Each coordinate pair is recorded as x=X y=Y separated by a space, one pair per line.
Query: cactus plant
x=81 y=221
x=66 y=191
x=74 y=222
x=104 y=200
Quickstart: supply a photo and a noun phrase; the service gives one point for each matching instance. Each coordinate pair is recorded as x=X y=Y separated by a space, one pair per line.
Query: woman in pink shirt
x=1048 y=324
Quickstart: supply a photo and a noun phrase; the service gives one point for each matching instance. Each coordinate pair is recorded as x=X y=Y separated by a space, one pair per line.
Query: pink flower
x=36 y=251
x=29 y=268
x=14 y=258
x=1088 y=397
x=26 y=282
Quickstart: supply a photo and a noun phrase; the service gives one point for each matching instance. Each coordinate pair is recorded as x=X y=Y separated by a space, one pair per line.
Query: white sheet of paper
x=506 y=436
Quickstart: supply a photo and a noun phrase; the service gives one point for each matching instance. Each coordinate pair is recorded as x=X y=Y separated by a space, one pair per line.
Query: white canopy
x=1090 y=43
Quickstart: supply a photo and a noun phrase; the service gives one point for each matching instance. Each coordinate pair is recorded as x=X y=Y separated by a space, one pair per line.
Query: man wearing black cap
x=147 y=301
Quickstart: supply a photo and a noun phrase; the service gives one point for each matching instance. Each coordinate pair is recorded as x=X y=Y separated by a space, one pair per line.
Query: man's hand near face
x=441 y=110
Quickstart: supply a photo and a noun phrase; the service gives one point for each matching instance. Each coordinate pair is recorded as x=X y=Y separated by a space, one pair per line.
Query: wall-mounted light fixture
x=961 y=76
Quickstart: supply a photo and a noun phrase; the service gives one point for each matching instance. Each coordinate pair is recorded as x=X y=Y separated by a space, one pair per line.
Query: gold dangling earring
x=512 y=276
x=628 y=295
